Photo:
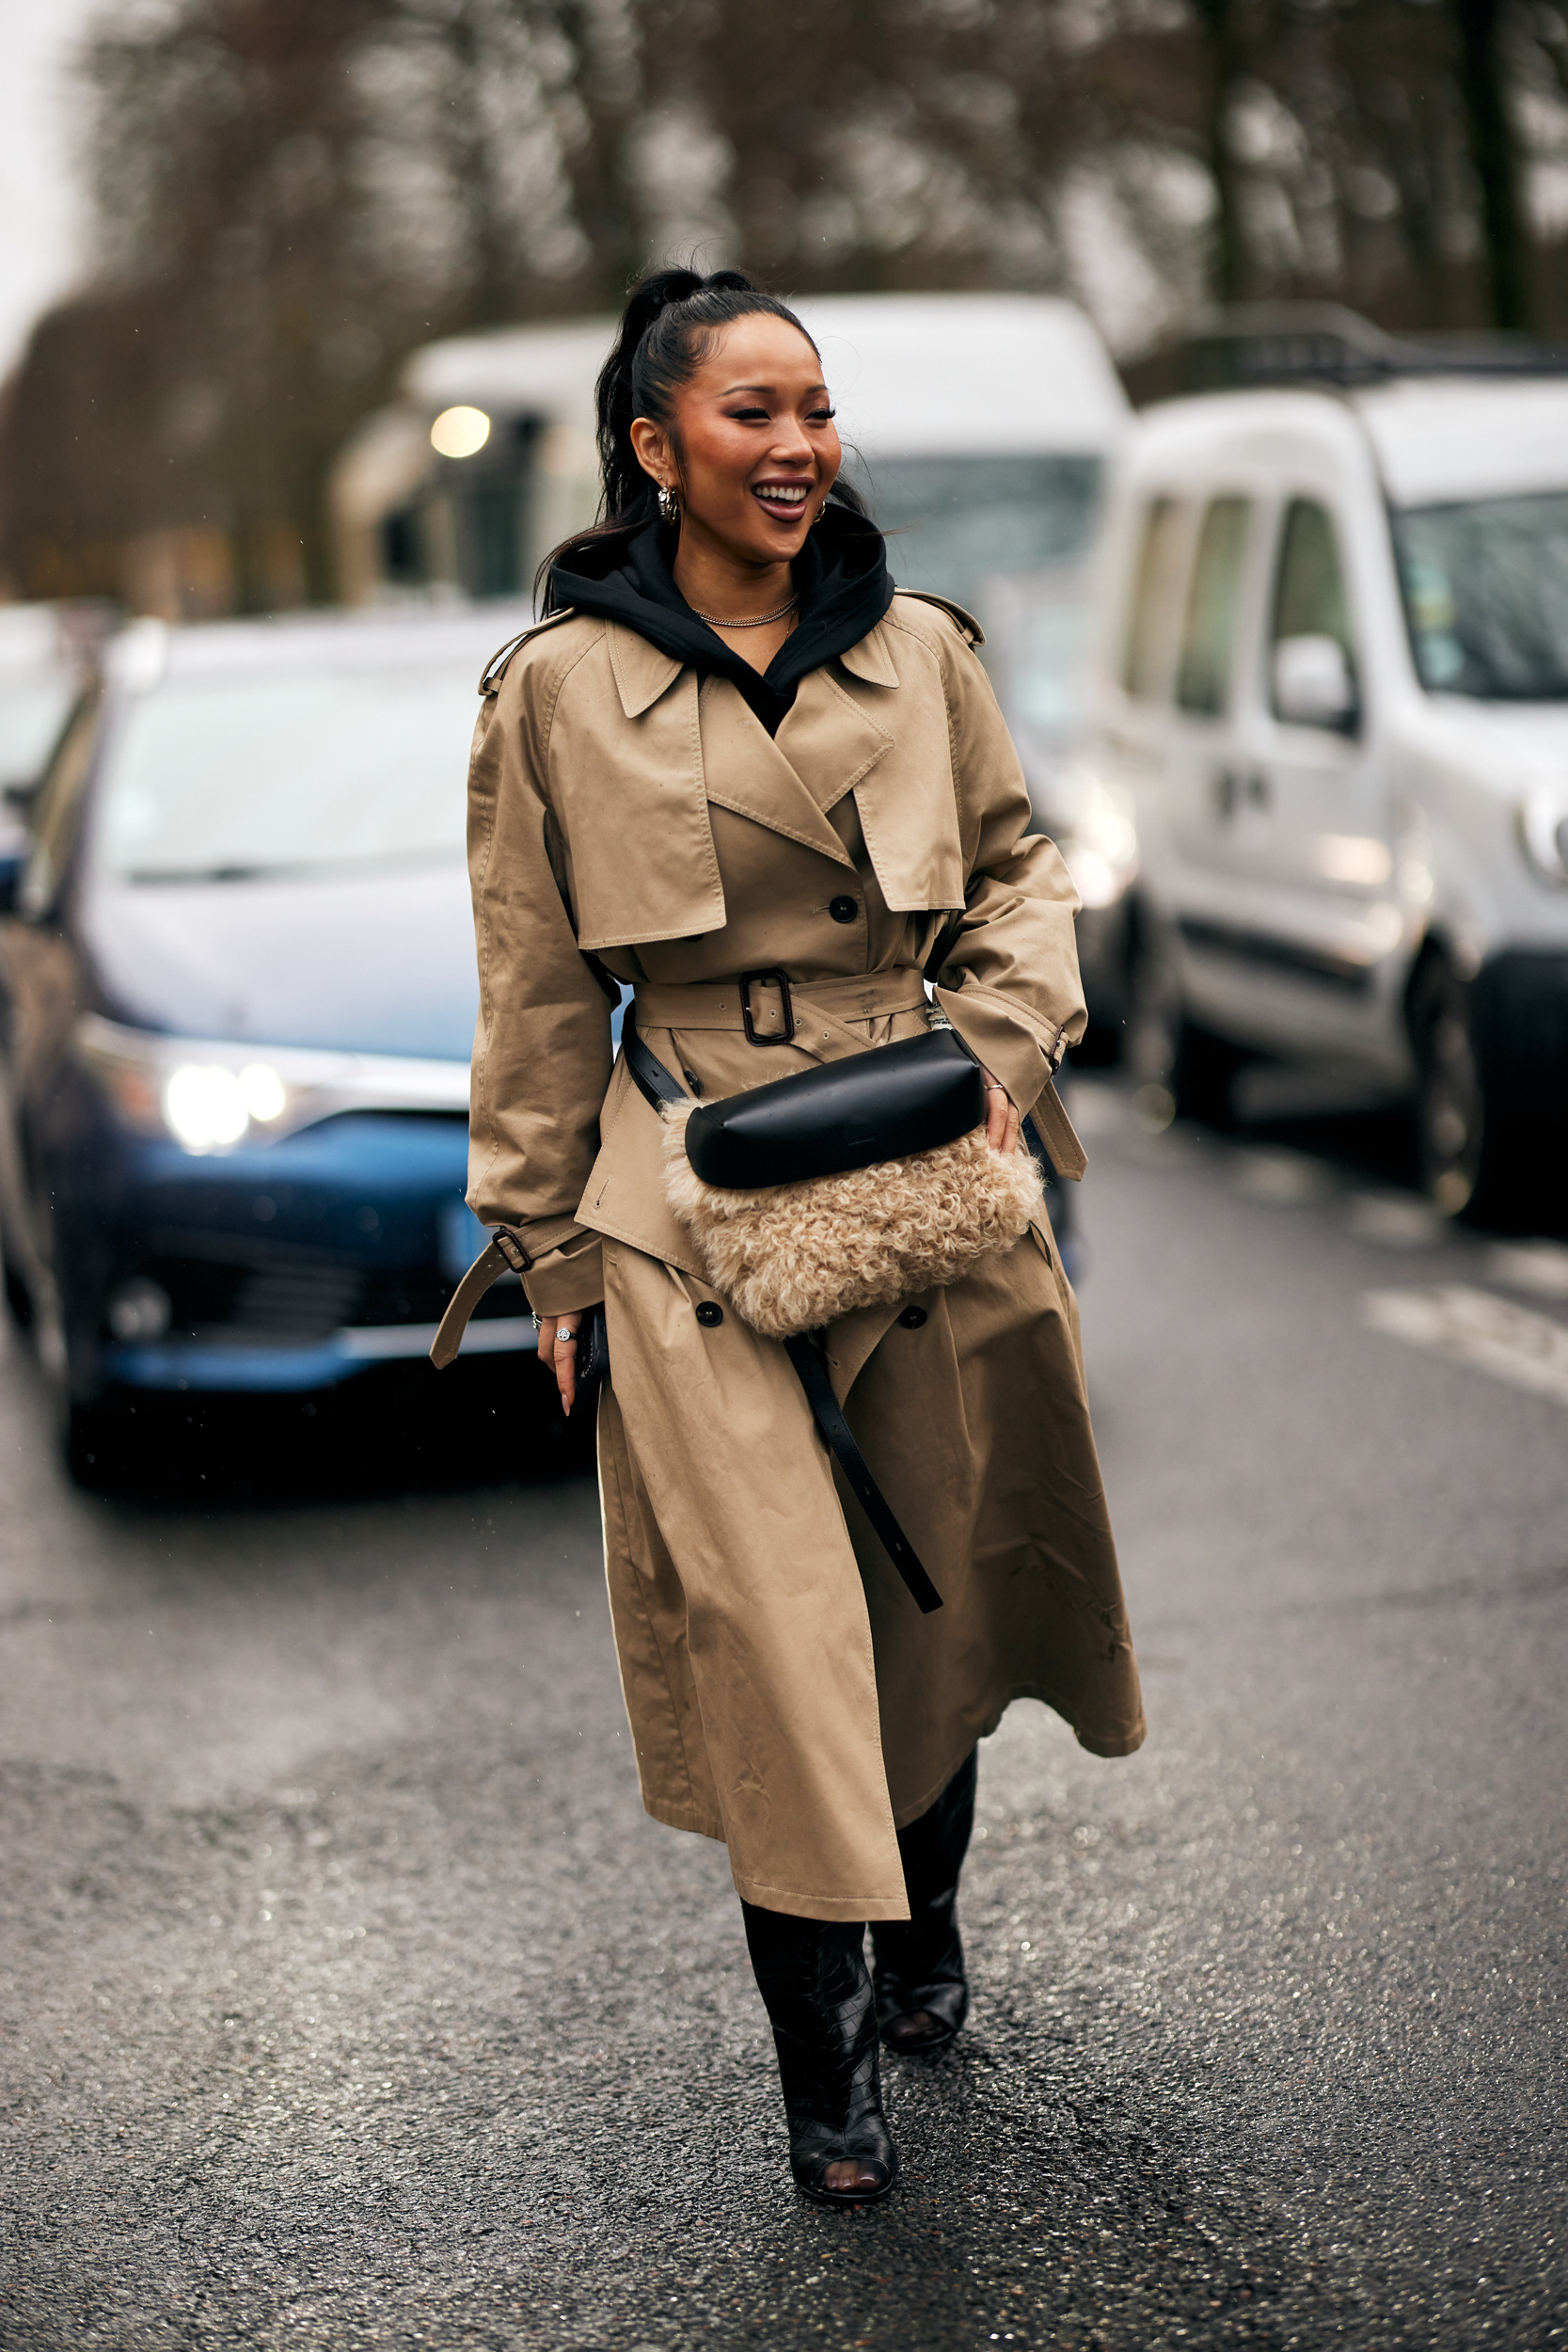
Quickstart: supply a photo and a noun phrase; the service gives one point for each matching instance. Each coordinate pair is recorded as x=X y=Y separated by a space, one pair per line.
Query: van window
x=1154 y=592
x=1309 y=597
x=1213 y=600
x=1486 y=591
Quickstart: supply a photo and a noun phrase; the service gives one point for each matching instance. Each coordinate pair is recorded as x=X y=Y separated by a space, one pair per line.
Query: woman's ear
x=652 y=445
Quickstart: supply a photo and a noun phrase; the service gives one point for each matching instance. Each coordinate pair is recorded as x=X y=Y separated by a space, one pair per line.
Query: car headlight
x=206 y=1098
x=214 y=1097
x=1543 y=830
x=1100 y=846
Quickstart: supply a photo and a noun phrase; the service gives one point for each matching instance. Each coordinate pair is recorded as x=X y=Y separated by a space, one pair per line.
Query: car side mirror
x=1314 y=685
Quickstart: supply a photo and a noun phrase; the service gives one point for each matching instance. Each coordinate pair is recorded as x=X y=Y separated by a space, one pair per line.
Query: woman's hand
x=1001 y=1118
x=558 y=1348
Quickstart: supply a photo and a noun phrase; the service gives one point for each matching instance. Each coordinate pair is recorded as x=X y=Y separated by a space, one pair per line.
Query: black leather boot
x=920 y=1963
x=816 y=1990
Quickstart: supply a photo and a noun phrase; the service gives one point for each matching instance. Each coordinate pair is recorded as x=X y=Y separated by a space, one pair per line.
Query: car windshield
x=1007 y=537
x=33 y=711
x=237 y=779
x=1487 y=593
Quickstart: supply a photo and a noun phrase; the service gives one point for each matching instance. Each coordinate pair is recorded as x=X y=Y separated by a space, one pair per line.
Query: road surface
x=351 y=2001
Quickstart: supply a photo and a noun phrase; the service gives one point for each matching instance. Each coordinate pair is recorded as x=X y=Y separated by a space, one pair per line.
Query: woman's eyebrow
x=766 y=388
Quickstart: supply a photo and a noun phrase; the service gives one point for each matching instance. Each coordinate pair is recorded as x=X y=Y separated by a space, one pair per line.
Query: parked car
x=980 y=426
x=1330 y=682
x=237 y=996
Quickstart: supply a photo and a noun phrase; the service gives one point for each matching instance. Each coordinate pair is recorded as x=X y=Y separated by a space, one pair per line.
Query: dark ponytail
x=667 y=330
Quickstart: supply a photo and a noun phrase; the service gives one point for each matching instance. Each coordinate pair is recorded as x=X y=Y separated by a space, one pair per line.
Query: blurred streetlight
x=459 y=432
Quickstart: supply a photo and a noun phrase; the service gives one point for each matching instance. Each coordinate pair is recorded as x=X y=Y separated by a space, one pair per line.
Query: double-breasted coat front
x=785 y=1693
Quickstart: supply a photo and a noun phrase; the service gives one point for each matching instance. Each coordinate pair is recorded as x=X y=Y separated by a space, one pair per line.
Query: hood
x=1504 y=747
x=371 y=962
x=841 y=578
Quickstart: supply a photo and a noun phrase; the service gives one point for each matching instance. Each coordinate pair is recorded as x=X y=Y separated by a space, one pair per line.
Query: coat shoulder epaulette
x=494 y=669
x=965 y=623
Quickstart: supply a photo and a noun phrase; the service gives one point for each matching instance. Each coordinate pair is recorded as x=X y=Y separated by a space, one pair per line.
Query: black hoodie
x=841 y=577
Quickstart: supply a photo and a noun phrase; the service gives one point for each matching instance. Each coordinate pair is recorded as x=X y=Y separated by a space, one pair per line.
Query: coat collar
x=641 y=672
x=872 y=658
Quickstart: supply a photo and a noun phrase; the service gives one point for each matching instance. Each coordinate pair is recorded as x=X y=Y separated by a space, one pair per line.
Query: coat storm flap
x=783 y=1693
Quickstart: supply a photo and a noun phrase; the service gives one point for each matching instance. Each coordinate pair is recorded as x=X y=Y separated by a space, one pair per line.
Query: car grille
x=277 y=1298
x=296 y=1302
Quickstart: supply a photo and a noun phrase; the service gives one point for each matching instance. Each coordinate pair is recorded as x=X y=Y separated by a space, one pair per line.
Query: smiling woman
x=735 y=771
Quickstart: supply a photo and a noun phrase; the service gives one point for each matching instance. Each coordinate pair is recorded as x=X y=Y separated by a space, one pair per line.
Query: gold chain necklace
x=761 y=622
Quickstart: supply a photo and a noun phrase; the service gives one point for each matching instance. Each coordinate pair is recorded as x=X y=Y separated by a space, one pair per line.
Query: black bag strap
x=657 y=1086
x=654 y=1082
x=829 y=1415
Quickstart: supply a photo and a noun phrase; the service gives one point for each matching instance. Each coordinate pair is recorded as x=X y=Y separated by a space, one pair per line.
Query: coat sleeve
x=1008 y=980
x=541 y=1048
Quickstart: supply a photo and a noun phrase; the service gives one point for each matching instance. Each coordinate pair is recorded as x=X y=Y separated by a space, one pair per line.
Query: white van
x=978 y=425
x=1330 y=686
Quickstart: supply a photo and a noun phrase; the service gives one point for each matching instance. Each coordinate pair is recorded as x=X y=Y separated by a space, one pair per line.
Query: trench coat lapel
x=745 y=770
x=831 y=740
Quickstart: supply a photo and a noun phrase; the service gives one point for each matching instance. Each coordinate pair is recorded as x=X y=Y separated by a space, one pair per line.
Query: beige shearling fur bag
x=792 y=1257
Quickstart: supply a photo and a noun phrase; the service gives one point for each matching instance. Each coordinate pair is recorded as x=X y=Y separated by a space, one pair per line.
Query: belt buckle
x=775 y=979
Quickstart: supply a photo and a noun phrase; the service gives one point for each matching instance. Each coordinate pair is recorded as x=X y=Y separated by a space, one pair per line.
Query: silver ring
x=565 y=1339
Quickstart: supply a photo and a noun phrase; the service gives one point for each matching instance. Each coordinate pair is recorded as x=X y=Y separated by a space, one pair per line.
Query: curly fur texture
x=792 y=1257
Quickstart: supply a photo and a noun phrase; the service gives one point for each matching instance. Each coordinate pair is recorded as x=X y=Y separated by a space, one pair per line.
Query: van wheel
x=1179 y=1069
x=1468 y=1164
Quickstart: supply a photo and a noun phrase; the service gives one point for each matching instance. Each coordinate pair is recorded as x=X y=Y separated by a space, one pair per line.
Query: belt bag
x=852 y=1186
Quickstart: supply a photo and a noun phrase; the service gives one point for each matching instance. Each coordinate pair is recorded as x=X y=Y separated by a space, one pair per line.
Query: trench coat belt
x=861 y=996
x=725 y=1005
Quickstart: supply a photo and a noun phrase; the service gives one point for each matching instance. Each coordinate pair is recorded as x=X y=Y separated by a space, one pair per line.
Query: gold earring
x=668 y=510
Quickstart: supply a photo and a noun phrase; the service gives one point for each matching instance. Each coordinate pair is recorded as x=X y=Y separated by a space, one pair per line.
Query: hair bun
x=652 y=295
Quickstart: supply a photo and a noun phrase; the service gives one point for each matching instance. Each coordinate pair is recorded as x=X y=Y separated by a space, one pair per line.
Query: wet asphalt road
x=350 y=2000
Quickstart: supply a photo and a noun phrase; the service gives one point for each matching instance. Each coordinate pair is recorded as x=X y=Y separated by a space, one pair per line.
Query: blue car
x=237 y=996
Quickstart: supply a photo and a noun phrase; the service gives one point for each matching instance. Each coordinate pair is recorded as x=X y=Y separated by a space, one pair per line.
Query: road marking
x=1471 y=1326
x=1396 y=1221
x=1541 y=1266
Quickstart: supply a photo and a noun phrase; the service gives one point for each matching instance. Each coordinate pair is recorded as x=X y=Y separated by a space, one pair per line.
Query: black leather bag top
x=880 y=1104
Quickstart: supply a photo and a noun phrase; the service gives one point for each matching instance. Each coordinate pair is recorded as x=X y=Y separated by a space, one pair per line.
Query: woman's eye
x=822 y=416
x=745 y=416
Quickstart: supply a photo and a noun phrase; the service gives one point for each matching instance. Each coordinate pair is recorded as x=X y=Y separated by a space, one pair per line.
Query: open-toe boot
x=816 y=1990
x=920 y=1961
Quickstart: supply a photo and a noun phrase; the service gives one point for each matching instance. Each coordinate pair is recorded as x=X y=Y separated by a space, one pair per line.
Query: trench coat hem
x=1121 y=1740
x=683 y=1816
x=798 y=1902
x=801 y=1903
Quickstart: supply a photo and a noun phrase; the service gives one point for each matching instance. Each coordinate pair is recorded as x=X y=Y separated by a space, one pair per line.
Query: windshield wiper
x=298 y=869
x=210 y=873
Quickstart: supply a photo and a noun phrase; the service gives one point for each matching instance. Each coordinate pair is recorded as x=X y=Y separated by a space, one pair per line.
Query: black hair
x=667 y=330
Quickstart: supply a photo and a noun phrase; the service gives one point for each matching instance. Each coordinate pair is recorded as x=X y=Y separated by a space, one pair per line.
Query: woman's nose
x=790 y=445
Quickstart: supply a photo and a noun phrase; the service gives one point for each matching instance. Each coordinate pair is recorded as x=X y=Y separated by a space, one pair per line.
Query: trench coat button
x=843 y=910
x=709 y=1313
x=912 y=1317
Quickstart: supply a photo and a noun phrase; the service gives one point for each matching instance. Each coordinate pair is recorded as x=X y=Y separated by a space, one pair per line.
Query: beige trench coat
x=783 y=1692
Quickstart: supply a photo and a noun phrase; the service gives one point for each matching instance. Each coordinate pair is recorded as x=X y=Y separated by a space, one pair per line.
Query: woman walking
x=736 y=771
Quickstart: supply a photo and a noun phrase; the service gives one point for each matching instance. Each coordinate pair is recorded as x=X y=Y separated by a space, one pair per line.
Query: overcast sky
x=40 y=229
